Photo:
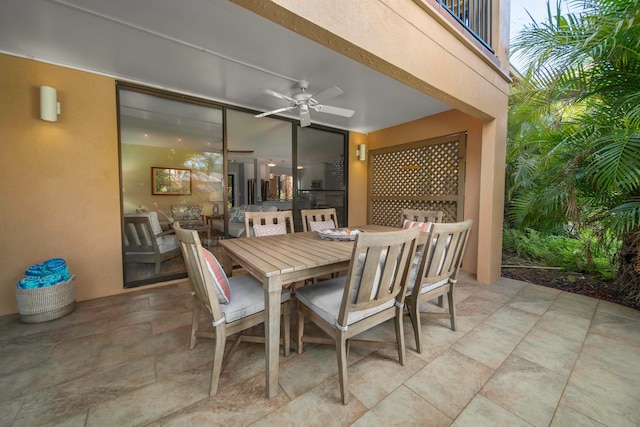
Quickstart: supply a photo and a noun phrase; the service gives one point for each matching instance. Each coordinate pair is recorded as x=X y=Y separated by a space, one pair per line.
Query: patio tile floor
x=523 y=355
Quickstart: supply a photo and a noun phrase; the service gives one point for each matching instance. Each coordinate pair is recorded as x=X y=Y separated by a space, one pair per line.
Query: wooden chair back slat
x=267 y=218
x=384 y=269
x=201 y=281
x=309 y=215
x=420 y=216
x=444 y=249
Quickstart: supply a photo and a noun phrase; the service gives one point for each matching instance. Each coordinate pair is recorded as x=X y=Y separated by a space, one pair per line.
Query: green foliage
x=573 y=148
x=581 y=254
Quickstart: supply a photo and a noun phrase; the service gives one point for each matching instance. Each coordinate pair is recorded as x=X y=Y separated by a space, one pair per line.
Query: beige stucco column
x=491 y=208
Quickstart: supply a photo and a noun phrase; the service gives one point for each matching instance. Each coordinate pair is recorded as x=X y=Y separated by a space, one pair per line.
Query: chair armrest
x=166 y=225
x=166 y=232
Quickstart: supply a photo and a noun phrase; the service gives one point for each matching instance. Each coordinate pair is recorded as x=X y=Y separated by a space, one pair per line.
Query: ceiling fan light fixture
x=305 y=101
x=305 y=120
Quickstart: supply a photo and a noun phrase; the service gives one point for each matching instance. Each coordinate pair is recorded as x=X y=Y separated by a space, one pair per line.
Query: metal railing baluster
x=474 y=15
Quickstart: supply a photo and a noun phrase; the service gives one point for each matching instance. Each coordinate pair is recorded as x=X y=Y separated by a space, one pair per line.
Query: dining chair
x=435 y=271
x=235 y=304
x=259 y=224
x=420 y=216
x=316 y=220
x=371 y=293
x=319 y=219
x=423 y=220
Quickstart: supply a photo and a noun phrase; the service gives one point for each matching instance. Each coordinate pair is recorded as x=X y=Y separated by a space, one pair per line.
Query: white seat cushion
x=325 y=299
x=168 y=243
x=247 y=298
x=426 y=287
x=236 y=229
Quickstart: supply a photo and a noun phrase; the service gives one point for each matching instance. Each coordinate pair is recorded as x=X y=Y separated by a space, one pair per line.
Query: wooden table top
x=288 y=253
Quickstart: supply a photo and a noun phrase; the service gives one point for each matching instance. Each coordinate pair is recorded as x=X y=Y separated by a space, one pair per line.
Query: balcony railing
x=475 y=15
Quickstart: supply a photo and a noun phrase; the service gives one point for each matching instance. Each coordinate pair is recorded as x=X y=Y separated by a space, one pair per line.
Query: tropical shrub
x=574 y=130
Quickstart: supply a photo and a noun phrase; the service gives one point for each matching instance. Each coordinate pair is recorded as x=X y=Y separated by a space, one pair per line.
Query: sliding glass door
x=260 y=155
x=171 y=170
x=204 y=164
x=321 y=172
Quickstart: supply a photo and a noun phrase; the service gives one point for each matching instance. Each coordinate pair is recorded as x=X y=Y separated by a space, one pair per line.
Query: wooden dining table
x=278 y=261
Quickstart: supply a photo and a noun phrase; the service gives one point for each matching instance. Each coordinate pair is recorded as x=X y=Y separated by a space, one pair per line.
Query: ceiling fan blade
x=327 y=93
x=305 y=119
x=279 y=110
x=217 y=150
x=279 y=95
x=334 y=110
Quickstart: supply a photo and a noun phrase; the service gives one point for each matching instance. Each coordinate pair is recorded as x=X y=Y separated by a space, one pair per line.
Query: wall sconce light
x=361 y=152
x=49 y=105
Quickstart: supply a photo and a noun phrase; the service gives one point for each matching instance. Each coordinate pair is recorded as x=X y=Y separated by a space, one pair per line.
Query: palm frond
x=624 y=218
x=615 y=166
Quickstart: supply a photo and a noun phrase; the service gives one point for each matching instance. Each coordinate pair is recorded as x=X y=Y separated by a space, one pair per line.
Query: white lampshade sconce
x=361 y=152
x=49 y=105
x=216 y=198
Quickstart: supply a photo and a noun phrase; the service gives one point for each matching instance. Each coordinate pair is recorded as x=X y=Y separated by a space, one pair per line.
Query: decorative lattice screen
x=425 y=175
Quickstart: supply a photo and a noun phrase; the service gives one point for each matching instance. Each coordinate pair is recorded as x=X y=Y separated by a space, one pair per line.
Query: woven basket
x=48 y=303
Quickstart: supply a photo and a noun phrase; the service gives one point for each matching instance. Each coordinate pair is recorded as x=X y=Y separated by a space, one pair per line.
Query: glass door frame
x=189 y=99
x=296 y=200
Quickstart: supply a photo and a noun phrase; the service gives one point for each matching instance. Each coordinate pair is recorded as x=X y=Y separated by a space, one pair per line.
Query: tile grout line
x=510 y=354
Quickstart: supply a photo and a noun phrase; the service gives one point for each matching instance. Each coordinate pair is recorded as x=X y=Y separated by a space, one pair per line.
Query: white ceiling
x=208 y=48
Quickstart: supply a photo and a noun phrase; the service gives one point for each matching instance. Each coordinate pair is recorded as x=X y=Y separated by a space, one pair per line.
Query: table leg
x=272 y=295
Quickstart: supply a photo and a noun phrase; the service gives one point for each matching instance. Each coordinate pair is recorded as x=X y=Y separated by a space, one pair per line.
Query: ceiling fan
x=307 y=101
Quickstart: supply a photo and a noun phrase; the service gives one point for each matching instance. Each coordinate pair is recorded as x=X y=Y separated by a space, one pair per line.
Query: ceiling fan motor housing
x=302 y=98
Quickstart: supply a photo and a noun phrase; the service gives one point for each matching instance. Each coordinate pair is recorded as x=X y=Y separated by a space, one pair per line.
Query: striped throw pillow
x=424 y=226
x=223 y=292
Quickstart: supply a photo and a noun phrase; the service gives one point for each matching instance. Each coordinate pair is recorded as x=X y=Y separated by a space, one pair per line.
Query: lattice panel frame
x=423 y=171
x=387 y=212
x=424 y=175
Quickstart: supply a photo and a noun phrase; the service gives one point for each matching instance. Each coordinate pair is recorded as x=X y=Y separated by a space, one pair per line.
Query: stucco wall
x=59 y=186
x=446 y=123
x=409 y=41
x=357 y=181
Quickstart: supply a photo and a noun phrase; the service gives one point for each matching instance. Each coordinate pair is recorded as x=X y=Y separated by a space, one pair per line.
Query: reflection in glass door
x=259 y=166
x=165 y=137
x=321 y=173
x=160 y=138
